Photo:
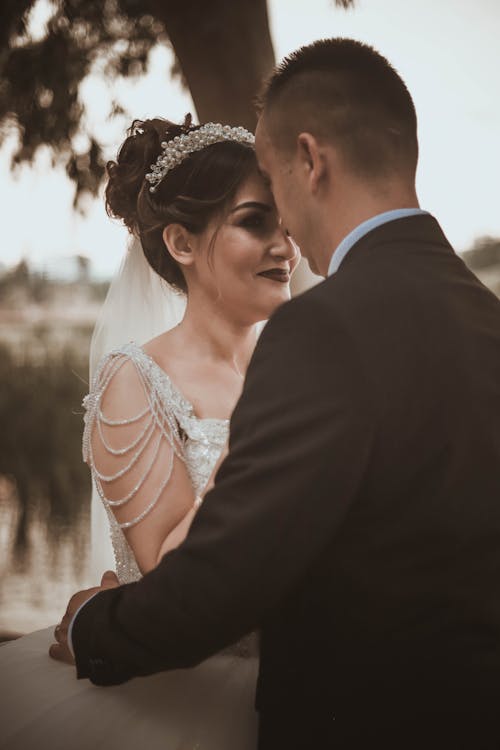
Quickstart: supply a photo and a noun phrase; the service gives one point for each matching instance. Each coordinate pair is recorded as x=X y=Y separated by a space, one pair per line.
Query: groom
x=356 y=520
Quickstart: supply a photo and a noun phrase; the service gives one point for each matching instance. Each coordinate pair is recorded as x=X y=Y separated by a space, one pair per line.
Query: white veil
x=139 y=306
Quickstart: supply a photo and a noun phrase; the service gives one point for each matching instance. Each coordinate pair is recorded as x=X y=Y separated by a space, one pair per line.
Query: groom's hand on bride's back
x=61 y=650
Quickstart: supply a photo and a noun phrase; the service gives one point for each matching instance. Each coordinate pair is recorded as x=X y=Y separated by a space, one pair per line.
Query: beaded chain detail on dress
x=197 y=442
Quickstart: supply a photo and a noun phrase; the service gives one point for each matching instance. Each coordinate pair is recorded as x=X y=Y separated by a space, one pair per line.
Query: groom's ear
x=312 y=159
x=176 y=239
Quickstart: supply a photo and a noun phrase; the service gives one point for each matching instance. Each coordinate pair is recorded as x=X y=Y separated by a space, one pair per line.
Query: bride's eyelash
x=253 y=221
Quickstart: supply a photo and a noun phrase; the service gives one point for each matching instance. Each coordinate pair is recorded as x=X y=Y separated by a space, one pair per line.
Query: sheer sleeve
x=134 y=446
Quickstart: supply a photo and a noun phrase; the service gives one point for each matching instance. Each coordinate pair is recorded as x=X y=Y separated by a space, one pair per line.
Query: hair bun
x=126 y=175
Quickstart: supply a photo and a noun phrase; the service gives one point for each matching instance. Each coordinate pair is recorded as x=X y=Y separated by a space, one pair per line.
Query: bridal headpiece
x=179 y=148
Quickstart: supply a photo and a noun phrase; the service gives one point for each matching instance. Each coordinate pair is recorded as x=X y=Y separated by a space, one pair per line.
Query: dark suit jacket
x=356 y=520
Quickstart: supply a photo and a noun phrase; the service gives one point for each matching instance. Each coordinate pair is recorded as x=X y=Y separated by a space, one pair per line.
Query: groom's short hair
x=344 y=91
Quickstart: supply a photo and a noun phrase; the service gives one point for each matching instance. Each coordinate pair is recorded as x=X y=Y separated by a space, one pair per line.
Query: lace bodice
x=168 y=416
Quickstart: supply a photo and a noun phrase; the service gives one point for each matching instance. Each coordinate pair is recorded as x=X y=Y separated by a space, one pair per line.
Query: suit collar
x=364 y=228
x=419 y=229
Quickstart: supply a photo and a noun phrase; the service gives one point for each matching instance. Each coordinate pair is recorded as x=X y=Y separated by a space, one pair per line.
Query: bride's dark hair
x=191 y=194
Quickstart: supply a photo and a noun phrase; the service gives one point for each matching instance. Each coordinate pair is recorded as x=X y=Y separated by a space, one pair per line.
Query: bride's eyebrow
x=252 y=204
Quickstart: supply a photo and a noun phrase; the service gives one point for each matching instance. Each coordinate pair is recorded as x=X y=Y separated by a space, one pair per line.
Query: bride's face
x=245 y=263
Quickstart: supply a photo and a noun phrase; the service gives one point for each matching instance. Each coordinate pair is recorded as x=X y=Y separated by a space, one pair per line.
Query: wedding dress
x=209 y=707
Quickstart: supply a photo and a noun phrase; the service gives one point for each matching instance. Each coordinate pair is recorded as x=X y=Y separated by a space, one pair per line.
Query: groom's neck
x=360 y=202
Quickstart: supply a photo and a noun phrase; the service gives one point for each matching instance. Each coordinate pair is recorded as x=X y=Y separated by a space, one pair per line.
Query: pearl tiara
x=179 y=148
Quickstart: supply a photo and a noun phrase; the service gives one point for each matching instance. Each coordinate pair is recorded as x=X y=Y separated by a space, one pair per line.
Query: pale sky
x=447 y=51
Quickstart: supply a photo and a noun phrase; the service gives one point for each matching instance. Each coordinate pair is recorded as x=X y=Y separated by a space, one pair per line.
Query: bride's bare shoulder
x=167 y=347
x=173 y=354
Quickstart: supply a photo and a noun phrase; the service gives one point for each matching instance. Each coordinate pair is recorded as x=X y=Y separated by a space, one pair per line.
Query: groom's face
x=279 y=171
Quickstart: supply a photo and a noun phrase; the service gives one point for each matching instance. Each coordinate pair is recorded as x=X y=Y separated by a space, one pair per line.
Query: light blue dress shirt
x=367 y=226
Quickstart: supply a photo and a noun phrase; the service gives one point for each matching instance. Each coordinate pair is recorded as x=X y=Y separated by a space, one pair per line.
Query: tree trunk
x=225 y=51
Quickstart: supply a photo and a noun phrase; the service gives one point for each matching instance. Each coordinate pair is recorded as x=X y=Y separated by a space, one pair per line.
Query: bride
x=157 y=423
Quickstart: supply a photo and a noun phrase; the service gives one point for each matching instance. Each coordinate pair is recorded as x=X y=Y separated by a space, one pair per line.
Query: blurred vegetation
x=484 y=253
x=21 y=280
x=45 y=329
x=483 y=259
x=21 y=285
x=217 y=41
x=40 y=444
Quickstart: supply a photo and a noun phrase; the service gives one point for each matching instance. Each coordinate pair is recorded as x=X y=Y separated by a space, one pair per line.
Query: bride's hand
x=60 y=650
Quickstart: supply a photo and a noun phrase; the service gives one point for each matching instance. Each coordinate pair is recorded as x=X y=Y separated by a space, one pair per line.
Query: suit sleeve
x=301 y=437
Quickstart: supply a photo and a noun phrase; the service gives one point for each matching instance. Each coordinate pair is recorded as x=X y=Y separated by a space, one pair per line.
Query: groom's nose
x=283 y=245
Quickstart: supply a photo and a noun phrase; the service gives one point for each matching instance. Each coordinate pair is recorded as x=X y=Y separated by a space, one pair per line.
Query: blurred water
x=44 y=485
x=36 y=582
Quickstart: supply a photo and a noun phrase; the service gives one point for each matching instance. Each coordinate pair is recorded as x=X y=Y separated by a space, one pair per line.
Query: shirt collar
x=362 y=229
